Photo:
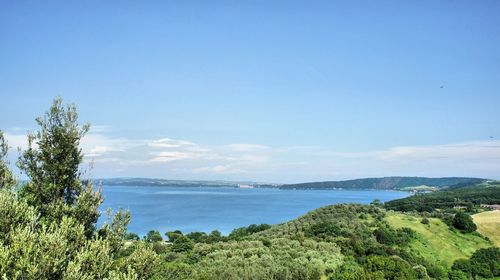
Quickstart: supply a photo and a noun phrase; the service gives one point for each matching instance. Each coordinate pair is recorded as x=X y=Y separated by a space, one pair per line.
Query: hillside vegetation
x=436 y=241
x=386 y=183
x=468 y=196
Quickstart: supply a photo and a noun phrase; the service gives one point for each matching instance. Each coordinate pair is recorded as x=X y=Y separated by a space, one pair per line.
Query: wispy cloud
x=166 y=157
x=219 y=169
x=169 y=143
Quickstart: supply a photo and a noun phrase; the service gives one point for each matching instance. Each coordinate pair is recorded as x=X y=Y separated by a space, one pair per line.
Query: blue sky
x=280 y=91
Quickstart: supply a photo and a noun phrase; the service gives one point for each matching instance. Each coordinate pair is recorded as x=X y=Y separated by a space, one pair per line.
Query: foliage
x=464 y=222
x=386 y=183
x=436 y=242
x=285 y=259
x=47 y=230
x=7 y=180
x=389 y=236
x=33 y=250
x=240 y=233
x=182 y=244
x=131 y=236
x=52 y=162
x=172 y=235
x=469 y=196
x=115 y=228
x=484 y=263
x=153 y=236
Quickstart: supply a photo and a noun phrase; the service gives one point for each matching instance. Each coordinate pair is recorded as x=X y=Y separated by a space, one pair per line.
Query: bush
x=425 y=221
x=131 y=236
x=182 y=244
x=484 y=263
x=464 y=222
x=153 y=236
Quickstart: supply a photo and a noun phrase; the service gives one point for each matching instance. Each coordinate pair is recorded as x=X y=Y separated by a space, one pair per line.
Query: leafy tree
x=197 y=236
x=464 y=222
x=131 y=236
x=484 y=263
x=389 y=268
x=215 y=236
x=182 y=244
x=173 y=235
x=153 y=236
x=7 y=180
x=143 y=261
x=385 y=235
x=239 y=233
x=52 y=162
x=115 y=229
x=377 y=202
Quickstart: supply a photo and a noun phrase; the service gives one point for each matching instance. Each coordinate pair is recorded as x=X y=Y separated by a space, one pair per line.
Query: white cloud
x=16 y=140
x=169 y=143
x=166 y=157
x=171 y=156
x=220 y=169
x=97 y=144
x=457 y=152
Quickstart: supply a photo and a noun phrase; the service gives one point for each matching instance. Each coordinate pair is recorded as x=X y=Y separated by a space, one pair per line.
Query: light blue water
x=223 y=208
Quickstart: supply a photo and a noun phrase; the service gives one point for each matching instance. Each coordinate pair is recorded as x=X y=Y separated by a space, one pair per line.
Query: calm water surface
x=223 y=208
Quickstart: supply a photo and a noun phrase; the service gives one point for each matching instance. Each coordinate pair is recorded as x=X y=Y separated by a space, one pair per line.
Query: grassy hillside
x=436 y=241
x=366 y=231
x=388 y=183
x=488 y=224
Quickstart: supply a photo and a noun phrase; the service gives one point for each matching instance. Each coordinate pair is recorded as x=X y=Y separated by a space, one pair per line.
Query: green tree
x=7 y=180
x=182 y=244
x=172 y=235
x=464 y=222
x=484 y=262
x=215 y=236
x=47 y=229
x=153 y=236
x=51 y=162
x=115 y=229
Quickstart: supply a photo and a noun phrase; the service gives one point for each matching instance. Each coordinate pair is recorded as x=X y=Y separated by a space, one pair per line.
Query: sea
x=205 y=208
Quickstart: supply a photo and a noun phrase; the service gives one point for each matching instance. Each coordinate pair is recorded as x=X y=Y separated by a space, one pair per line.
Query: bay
x=223 y=208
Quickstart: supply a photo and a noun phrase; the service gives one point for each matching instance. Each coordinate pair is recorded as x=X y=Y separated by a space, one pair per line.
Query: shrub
x=484 y=263
x=182 y=244
x=153 y=236
x=463 y=222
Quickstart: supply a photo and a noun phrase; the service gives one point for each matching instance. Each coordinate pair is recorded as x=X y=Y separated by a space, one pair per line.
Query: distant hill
x=386 y=183
x=176 y=183
x=468 y=196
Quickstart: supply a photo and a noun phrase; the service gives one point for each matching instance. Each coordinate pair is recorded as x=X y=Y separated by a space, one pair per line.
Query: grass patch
x=488 y=224
x=436 y=242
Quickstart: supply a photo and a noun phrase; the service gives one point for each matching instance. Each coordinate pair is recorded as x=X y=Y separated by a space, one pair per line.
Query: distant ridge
x=386 y=183
x=177 y=183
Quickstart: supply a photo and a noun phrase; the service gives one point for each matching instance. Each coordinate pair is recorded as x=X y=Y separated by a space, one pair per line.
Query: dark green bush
x=463 y=222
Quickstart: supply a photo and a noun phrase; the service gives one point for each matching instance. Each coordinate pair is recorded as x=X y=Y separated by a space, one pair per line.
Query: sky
x=268 y=91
